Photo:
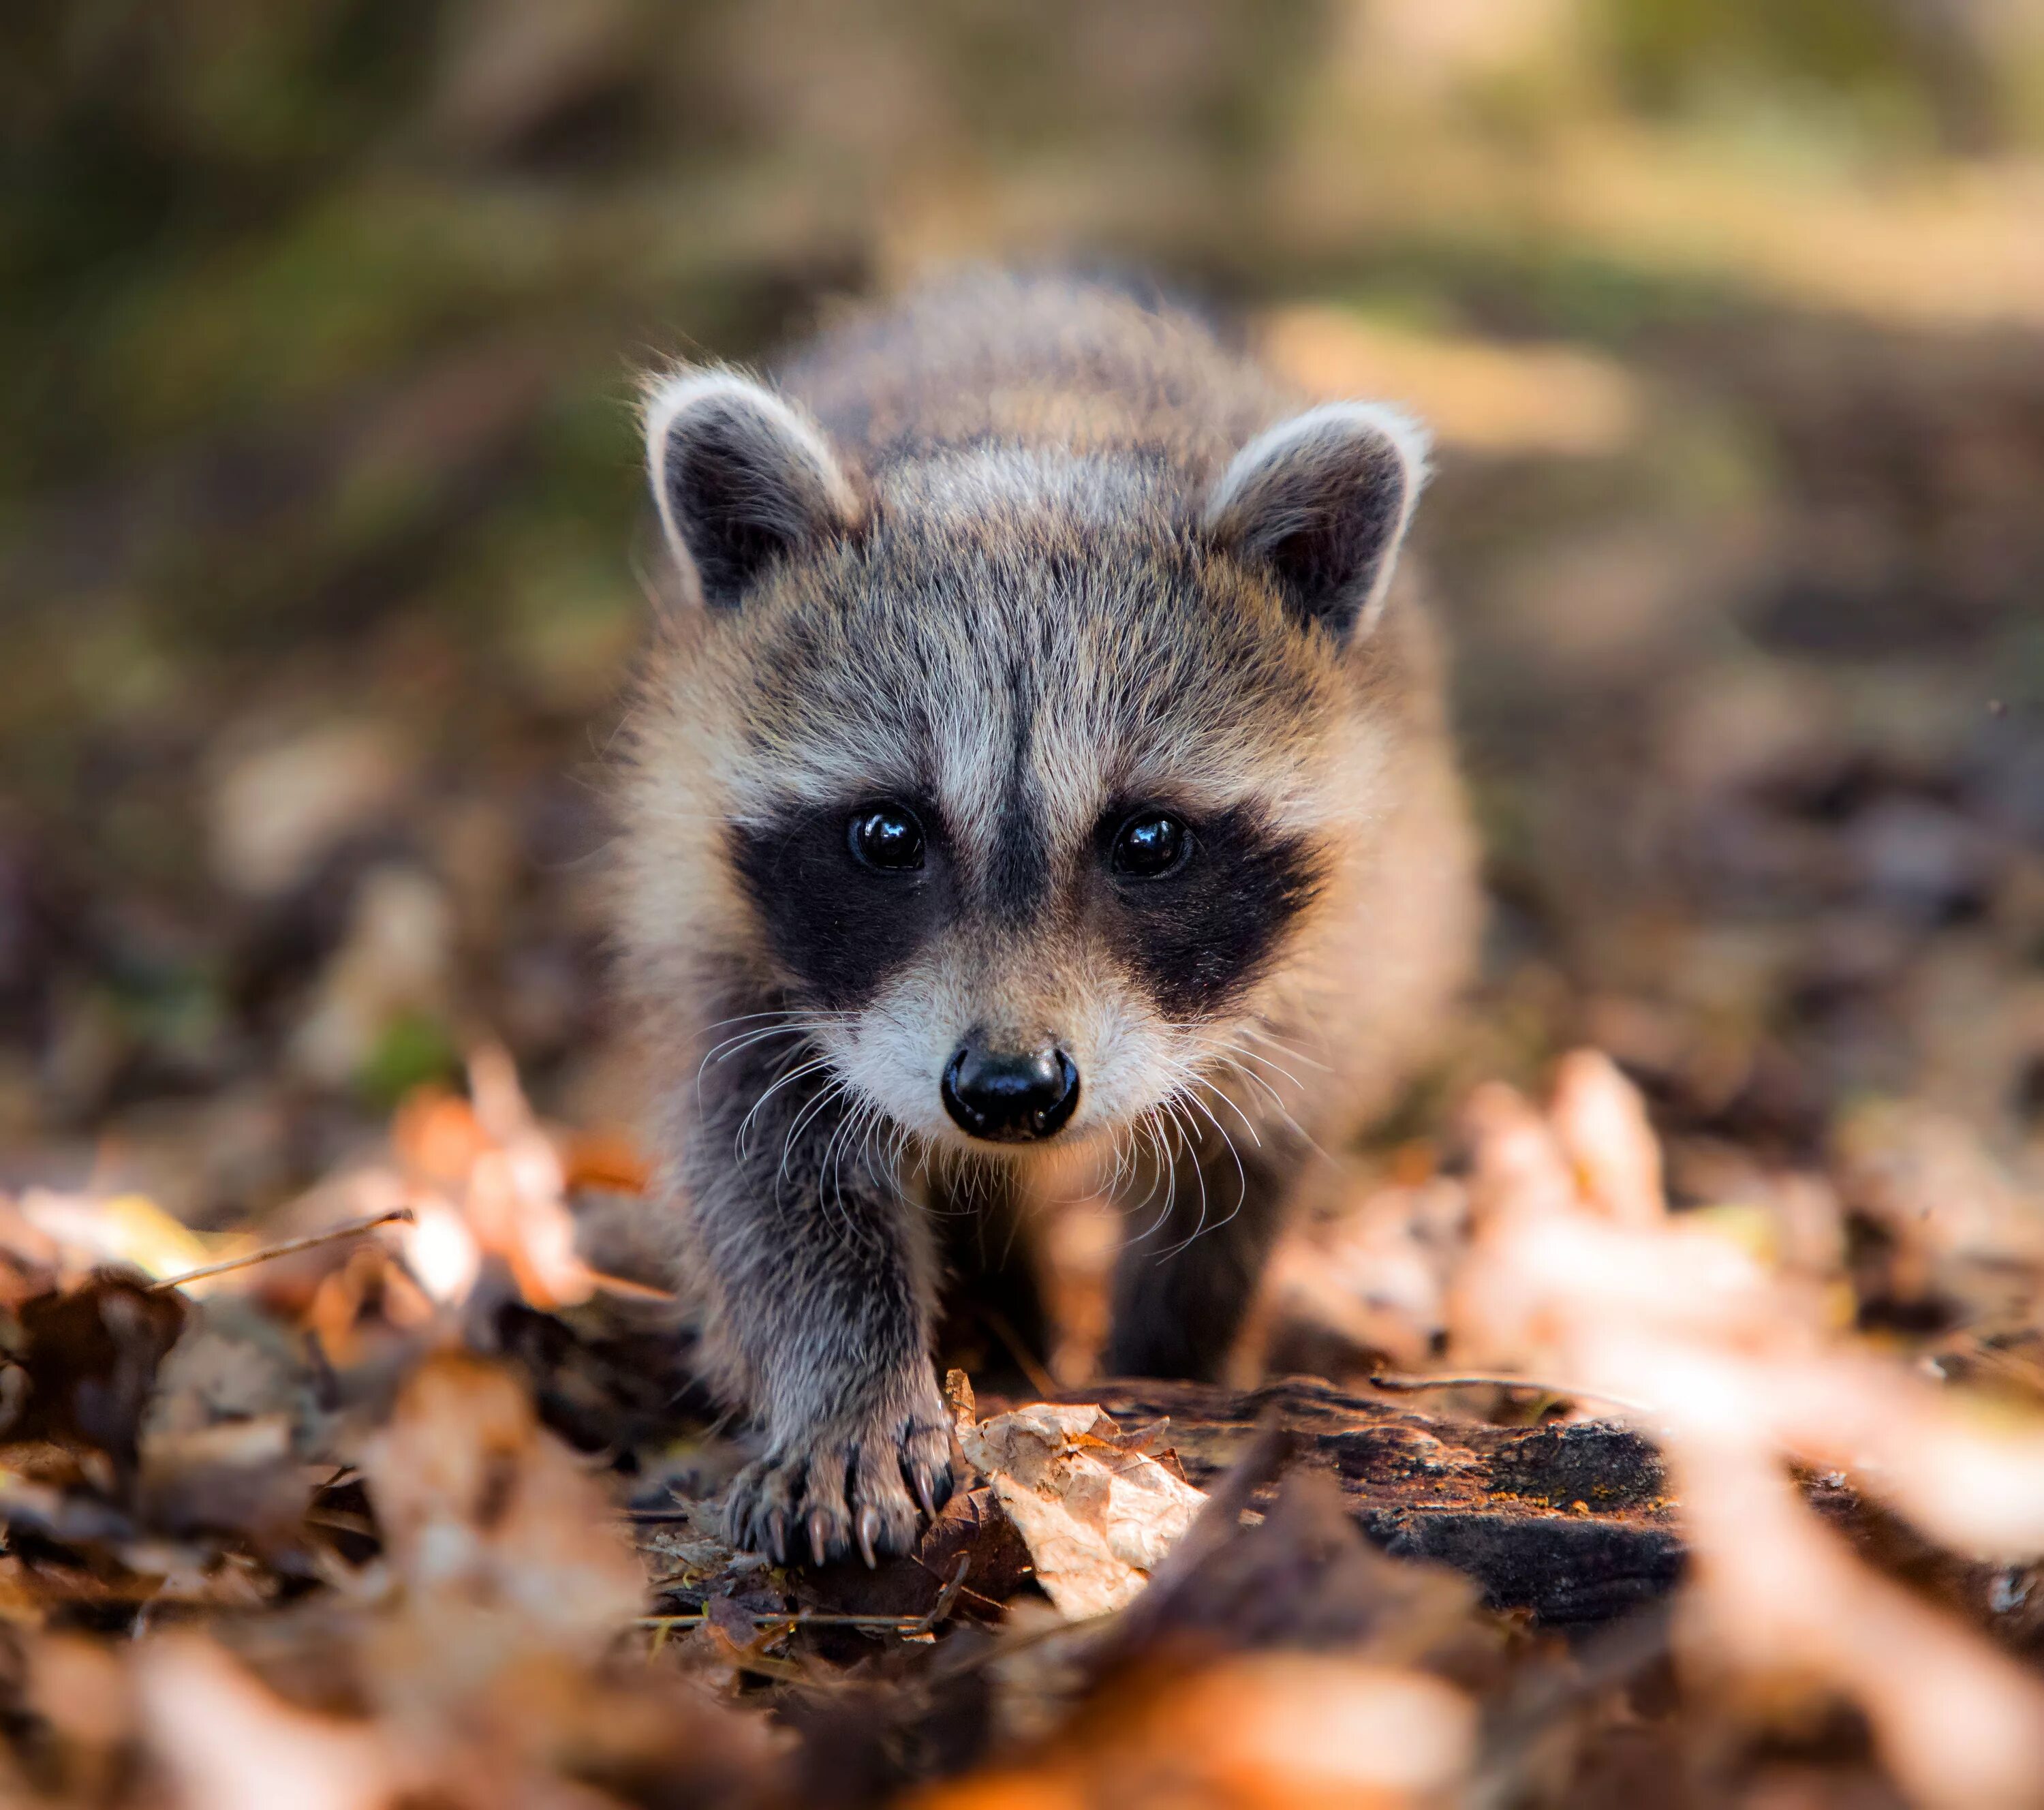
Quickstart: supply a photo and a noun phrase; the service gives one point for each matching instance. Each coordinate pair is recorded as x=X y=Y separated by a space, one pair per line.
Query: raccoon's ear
x=740 y=479
x=1322 y=501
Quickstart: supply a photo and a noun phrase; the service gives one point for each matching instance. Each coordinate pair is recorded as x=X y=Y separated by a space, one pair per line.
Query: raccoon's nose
x=1009 y=1095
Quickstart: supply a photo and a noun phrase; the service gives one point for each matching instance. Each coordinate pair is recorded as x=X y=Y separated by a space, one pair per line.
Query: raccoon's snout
x=1009 y=1095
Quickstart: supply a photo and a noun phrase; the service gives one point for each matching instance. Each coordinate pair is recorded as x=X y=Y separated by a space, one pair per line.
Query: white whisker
x=1241 y=1181
x=745 y=1124
x=824 y=1096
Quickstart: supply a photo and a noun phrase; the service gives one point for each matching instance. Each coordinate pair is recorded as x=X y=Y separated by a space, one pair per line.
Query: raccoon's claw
x=844 y=1492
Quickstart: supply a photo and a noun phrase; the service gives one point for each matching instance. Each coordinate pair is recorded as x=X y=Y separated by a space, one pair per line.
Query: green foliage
x=414 y=1049
x=1901 y=71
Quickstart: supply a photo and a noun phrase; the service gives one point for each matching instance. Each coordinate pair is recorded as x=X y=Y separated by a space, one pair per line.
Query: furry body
x=1026 y=557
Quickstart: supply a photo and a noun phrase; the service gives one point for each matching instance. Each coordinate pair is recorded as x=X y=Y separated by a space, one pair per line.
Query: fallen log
x=1574 y=1522
x=1571 y=1522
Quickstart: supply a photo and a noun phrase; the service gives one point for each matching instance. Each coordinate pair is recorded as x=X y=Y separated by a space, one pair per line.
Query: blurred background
x=323 y=542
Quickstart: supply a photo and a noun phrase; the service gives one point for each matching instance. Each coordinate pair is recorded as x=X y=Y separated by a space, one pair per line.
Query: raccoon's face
x=1025 y=772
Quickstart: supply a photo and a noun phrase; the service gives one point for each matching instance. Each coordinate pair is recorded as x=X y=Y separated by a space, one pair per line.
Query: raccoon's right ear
x=740 y=479
x=1321 y=501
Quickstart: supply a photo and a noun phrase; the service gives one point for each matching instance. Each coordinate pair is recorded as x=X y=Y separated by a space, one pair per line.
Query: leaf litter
x=397 y=1508
x=1755 y=726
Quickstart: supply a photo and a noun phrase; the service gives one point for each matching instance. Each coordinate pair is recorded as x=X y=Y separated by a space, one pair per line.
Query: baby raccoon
x=1036 y=786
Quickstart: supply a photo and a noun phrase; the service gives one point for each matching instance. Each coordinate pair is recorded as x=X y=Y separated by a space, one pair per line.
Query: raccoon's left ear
x=1322 y=501
x=741 y=479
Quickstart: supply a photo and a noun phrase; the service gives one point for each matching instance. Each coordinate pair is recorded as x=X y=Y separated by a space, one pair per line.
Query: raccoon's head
x=1018 y=776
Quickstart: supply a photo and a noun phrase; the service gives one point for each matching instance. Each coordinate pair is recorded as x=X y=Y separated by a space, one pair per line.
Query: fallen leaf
x=128 y=1229
x=1261 y=1731
x=233 y=1476
x=1575 y=1273
x=480 y=1504
x=971 y=1528
x=486 y=1180
x=1098 y=1519
x=84 y=1364
x=229 y=1743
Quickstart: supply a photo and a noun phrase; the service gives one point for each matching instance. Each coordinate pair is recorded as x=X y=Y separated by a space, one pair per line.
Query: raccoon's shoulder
x=1043 y=360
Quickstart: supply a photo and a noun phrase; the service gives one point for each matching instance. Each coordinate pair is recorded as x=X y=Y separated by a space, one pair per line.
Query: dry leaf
x=229 y=1742
x=1098 y=1519
x=85 y=1363
x=479 y=1505
x=92 y=1229
x=1261 y=1731
x=485 y=1179
x=1577 y=1274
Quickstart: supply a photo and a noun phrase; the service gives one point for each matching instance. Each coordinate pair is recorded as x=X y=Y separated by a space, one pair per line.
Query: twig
x=1033 y=1373
x=1087 y=1626
x=946 y=1597
x=910 y=1625
x=796 y=1618
x=1391 y=1381
x=629 y=1288
x=289 y=1247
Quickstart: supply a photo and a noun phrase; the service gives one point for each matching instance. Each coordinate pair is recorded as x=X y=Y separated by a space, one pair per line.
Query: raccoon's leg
x=991 y=1321
x=1191 y=1265
x=819 y=1281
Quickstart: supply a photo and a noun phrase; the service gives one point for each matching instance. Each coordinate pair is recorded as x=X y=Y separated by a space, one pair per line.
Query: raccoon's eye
x=888 y=837
x=1149 y=845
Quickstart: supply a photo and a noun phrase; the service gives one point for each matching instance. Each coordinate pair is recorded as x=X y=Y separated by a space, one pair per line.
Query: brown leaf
x=1303 y=1577
x=234 y=1476
x=972 y=1527
x=478 y=1504
x=1261 y=1731
x=229 y=1742
x=1097 y=1520
x=85 y=1362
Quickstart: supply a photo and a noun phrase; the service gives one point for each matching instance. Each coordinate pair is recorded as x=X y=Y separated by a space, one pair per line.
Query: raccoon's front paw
x=841 y=1486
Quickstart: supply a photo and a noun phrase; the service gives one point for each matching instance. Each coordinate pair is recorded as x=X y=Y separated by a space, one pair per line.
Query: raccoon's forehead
x=1001 y=625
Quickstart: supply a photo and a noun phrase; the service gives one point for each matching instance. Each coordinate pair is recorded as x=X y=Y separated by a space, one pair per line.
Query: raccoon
x=1036 y=785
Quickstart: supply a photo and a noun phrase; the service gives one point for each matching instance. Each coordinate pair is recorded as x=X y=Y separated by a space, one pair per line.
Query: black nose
x=1009 y=1095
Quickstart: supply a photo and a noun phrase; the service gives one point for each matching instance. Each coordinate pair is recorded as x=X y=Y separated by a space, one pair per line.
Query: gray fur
x=803 y=1229
x=1028 y=556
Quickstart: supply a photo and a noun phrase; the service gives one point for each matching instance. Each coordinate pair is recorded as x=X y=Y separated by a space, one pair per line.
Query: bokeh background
x=323 y=547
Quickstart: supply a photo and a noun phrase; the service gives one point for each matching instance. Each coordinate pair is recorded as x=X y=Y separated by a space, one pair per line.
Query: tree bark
x=1573 y=1523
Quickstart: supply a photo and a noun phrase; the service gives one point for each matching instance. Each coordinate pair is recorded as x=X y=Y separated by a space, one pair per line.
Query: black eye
x=1150 y=844
x=888 y=837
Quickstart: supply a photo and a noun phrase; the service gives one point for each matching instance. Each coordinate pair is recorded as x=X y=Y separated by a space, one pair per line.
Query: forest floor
x=1733 y=1172
x=425 y=1513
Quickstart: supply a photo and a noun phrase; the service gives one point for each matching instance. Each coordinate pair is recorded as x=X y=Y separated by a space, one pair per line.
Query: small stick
x=1038 y=1378
x=288 y=1248
x=1391 y=1381
x=947 y=1596
x=796 y=1618
x=626 y=1287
